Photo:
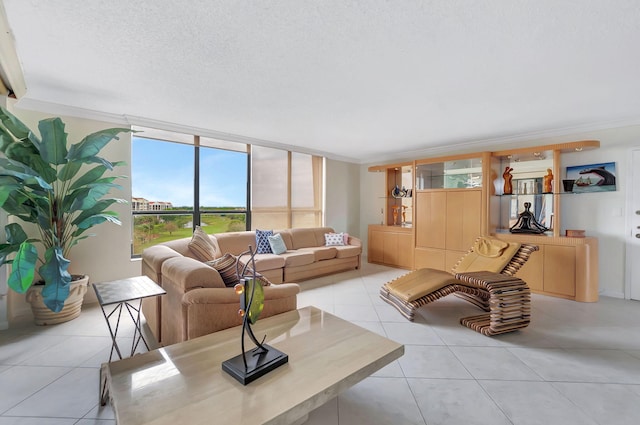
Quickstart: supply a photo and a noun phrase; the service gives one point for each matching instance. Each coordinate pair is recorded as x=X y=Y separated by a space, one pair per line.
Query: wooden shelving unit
x=457 y=198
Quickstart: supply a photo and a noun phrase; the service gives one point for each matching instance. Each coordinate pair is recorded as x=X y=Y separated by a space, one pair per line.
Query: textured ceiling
x=360 y=80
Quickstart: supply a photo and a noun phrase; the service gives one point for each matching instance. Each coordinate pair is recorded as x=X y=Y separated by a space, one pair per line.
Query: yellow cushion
x=490 y=247
x=419 y=283
x=475 y=261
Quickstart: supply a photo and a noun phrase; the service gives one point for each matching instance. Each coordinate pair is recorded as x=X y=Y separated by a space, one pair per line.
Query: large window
x=286 y=189
x=180 y=181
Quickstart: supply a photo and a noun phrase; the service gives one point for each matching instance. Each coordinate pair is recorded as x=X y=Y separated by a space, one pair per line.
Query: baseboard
x=612 y=294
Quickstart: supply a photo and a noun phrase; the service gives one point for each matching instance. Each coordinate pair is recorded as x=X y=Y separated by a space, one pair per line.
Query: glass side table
x=125 y=295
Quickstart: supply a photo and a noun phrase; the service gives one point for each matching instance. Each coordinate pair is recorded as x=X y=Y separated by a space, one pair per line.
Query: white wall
x=342 y=196
x=601 y=214
x=106 y=256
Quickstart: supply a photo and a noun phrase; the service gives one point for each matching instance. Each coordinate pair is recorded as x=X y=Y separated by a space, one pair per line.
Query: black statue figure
x=527 y=222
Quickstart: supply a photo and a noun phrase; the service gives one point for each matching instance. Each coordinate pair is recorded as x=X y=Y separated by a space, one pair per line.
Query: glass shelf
x=462 y=173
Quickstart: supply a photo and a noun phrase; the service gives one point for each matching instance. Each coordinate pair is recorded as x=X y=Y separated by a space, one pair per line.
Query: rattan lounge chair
x=485 y=279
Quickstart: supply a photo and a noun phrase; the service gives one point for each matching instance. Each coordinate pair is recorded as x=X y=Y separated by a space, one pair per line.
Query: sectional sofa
x=198 y=302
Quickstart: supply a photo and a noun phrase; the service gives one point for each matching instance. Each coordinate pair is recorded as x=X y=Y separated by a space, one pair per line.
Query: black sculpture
x=527 y=222
x=249 y=366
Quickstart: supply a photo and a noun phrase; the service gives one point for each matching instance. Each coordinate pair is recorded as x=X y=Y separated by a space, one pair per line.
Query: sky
x=163 y=171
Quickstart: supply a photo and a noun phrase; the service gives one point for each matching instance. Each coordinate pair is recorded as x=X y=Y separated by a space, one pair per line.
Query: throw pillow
x=345 y=238
x=262 y=241
x=226 y=266
x=201 y=245
x=333 y=239
x=248 y=272
x=277 y=244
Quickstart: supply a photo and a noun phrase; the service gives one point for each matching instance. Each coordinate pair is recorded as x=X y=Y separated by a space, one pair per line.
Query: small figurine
x=395 y=209
x=546 y=182
x=508 y=189
x=527 y=222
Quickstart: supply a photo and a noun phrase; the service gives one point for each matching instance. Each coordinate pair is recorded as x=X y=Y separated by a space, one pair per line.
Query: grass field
x=149 y=230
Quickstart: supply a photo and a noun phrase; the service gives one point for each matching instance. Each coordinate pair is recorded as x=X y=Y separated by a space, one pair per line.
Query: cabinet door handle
x=638 y=235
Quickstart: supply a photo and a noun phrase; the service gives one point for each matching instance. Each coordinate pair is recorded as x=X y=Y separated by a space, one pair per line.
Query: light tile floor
x=576 y=363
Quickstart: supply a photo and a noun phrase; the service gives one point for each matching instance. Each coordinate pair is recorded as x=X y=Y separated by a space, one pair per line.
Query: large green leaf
x=14 y=125
x=8 y=185
x=6 y=250
x=69 y=170
x=23 y=268
x=28 y=155
x=93 y=143
x=87 y=197
x=27 y=175
x=53 y=148
x=89 y=177
x=99 y=160
x=56 y=278
x=99 y=207
x=15 y=234
x=19 y=205
x=89 y=222
x=6 y=139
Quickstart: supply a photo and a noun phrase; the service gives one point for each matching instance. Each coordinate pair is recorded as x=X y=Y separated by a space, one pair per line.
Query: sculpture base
x=257 y=364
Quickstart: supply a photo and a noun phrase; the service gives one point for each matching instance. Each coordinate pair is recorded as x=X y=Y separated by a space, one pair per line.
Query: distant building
x=142 y=204
x=159 y=205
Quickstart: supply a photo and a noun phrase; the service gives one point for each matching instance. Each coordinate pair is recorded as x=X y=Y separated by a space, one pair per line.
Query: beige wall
x=342 y=196
x=107 y=255
x=601 y=214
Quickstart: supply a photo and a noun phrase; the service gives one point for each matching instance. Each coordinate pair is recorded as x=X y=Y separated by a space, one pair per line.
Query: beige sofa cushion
x=236 y=242
x=298 y=258
x=348 y=251
x=265 y=261
x=308 y=237
x=322 y=252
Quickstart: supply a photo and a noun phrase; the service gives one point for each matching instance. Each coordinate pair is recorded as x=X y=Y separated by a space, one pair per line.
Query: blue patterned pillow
x=262 y=241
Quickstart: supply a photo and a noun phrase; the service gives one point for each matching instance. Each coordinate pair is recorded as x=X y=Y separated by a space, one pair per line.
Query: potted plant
x=61 y=190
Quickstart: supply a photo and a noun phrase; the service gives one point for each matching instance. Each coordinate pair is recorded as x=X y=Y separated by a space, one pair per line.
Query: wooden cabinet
x=563 y=267
x=463 y=218
x=447 y=223
x=391 y=245
x=455 y=199
x=431 y=216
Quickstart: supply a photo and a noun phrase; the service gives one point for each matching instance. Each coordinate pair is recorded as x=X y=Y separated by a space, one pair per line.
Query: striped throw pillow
x=226 y=266
x=201 y=245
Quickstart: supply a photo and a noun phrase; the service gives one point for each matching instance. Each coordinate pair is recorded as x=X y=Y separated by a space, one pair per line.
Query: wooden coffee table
x=184 y=383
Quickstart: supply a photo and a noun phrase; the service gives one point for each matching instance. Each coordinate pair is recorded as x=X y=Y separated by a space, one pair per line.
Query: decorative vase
x=72 y=305
x=568 y=185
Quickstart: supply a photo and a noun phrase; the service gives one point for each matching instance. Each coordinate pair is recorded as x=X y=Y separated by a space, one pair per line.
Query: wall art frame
x=593 y=177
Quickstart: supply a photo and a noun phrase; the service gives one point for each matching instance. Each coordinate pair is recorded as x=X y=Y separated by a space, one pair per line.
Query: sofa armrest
x=207 y=310
x=153 y=258
x=186 y=273
x=354 y=241
x=229 y=296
